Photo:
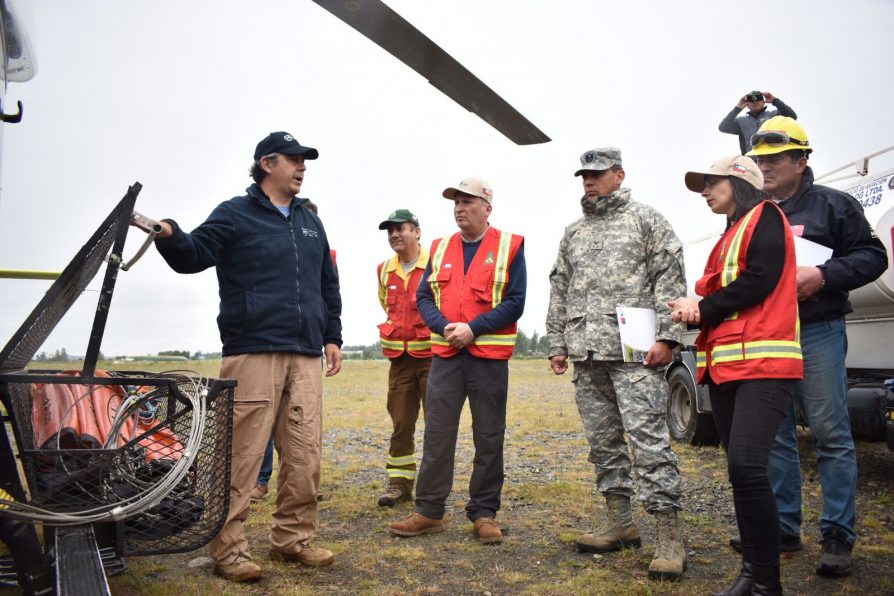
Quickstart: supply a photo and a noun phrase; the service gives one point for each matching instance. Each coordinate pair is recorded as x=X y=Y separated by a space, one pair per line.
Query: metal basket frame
x=18 y=475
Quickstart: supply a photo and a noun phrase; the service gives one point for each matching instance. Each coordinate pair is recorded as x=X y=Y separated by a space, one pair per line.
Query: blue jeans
x=266 y=465
x=822 y=396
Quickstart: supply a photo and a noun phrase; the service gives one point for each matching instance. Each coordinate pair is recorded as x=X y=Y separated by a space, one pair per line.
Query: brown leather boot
x=616 y=533
x=394 y=494
x=415 y=525
x=258 y=493
x=488 y=531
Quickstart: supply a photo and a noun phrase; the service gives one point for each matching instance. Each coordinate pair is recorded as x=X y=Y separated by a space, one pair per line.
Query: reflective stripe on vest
x=436 y=260
x=501 y=269
x=731 y=262
x=484 y=339
x=756 y=349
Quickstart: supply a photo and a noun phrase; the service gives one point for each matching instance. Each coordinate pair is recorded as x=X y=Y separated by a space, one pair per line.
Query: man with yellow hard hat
x=833 y=219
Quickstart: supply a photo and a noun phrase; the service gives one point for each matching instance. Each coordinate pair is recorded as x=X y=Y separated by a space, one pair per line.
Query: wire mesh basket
x=149 y=454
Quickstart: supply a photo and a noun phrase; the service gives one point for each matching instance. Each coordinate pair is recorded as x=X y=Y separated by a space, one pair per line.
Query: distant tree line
x=62 y=355
x=57 y=356
x=533 y=346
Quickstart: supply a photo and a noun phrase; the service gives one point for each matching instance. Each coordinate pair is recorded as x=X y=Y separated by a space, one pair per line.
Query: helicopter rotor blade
x=397 y=36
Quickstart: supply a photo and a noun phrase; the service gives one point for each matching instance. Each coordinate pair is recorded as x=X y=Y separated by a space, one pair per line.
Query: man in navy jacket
x=280 y=310
x=835 y=220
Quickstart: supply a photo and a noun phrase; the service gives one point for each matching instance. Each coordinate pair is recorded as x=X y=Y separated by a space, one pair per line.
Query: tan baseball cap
x=471 y=186
x=737 y=166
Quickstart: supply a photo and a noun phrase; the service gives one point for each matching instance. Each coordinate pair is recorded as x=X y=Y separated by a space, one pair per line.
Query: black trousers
x=450 y=380
x=748 y=414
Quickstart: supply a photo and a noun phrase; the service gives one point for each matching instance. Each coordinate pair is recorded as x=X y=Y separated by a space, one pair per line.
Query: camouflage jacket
x=619 y=253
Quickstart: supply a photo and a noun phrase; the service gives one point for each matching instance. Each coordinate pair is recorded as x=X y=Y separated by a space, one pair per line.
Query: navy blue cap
x=283 y=142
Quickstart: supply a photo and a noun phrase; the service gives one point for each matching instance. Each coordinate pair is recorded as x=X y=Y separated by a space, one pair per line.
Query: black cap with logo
x=283 y=142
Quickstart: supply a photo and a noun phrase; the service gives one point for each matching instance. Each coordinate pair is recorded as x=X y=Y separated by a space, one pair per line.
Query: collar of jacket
x=604 y=204
x=806 y=184
x=257 y=195
x=393 y=263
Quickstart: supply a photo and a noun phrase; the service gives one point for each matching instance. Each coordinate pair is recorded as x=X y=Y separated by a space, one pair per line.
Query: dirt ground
x=548 y=500
x=539 y=554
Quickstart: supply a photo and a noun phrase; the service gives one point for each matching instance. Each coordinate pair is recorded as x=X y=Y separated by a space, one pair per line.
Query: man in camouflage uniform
x=620 y=253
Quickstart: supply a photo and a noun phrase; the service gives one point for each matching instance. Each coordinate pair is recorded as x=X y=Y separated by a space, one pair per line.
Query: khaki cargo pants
x=279 y=394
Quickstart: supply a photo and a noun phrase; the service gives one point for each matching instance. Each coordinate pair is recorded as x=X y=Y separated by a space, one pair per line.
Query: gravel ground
x=538 y=555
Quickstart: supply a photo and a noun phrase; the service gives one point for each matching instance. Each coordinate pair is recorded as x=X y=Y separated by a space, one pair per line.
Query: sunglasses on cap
x=775 y=139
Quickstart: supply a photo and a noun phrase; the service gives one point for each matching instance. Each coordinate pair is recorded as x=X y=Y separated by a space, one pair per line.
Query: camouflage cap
x=399 y=216
x=471 y=186
x=600 y=159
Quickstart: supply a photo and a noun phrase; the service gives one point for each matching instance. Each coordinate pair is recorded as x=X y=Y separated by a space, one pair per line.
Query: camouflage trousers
x=614 y=398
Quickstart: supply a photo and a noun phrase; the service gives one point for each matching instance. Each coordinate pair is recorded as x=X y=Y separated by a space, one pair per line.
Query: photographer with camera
x=748 y=123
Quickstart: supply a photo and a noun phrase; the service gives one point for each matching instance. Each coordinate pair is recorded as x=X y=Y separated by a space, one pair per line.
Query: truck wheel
x=683 y=419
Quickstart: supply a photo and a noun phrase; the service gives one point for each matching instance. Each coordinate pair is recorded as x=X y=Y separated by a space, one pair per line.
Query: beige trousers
x=279 y=394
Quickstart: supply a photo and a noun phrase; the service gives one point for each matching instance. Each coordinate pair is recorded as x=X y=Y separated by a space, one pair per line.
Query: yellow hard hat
x=778 y=134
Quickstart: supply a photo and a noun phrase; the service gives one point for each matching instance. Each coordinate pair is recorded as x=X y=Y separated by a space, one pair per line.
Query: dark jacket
x=747 y=124
x=835 y=219
x=278 y=286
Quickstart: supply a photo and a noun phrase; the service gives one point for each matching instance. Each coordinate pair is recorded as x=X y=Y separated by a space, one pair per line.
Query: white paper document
x=810 y=254
x=638 y=327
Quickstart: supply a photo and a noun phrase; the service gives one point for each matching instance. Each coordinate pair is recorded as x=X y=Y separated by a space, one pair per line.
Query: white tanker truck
x=870 y=328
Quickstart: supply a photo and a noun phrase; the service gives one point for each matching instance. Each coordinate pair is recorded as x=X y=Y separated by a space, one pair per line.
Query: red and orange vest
x=761 y=341
x=404 y=331
x=463 y=296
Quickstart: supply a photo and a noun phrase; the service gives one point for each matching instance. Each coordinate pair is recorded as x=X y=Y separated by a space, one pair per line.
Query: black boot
x=766 y=581
x=743 y=584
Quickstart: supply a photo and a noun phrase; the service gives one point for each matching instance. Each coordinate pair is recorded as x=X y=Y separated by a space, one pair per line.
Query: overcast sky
x=177 y=94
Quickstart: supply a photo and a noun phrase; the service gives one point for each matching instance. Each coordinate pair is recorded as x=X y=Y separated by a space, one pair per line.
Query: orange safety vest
x=462 y=297
x=404 y=331
x=761 y=341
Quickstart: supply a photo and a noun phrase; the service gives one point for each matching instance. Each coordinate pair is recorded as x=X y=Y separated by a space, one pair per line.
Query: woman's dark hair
x=746 y=197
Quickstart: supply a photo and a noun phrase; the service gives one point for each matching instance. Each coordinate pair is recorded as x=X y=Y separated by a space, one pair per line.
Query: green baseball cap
x=399 y=216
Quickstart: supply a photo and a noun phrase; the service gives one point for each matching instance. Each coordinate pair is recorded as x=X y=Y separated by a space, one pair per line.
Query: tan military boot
x=616 y=533
x=670 y=552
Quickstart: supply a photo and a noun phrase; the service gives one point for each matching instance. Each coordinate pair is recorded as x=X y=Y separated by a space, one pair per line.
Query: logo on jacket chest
x=310 y=233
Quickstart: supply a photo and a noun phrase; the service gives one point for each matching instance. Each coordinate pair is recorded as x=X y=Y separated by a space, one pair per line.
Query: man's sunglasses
x=775 y=139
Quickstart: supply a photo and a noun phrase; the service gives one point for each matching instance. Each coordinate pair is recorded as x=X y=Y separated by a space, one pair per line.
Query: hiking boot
x=670 y=552
x=788 y=543
x=394 y=494
x=310 y=555
x=616 y=533
x=836 y=560
x=242 y=569
x=488 y=531
x=415 y=525
x=258 y=493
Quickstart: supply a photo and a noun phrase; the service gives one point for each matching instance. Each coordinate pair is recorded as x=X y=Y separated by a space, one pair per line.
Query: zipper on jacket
x=297 y=271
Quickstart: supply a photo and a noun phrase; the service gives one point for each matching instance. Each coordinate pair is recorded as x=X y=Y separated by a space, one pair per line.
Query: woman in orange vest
x=749 y=352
